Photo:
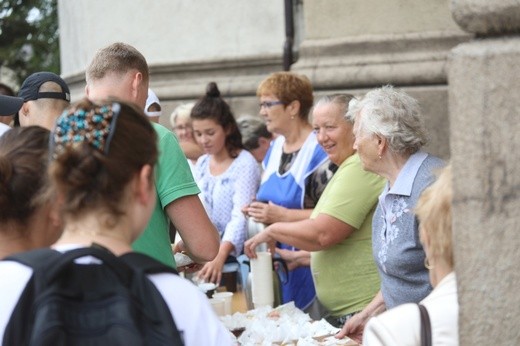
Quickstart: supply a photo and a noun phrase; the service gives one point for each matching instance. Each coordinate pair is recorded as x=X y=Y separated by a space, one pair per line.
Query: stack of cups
x=262 y=279
x=253 y=228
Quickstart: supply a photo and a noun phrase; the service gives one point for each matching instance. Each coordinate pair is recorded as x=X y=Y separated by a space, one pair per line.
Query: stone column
x=484 y=105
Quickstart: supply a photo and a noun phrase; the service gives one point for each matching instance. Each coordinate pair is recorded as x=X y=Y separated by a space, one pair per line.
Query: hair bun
x=212 y=90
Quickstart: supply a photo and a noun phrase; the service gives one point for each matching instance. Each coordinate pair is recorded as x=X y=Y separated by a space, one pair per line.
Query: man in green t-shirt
x=121 y=71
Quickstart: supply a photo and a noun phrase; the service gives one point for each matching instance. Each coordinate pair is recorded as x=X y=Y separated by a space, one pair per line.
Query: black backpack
x=66 y=303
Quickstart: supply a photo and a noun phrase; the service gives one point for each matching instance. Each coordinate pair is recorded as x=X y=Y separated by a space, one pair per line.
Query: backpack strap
x=47 y=264
x=426 y=327
x=36 y=259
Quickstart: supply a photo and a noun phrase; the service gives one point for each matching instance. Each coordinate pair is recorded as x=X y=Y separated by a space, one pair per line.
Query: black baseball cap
x=31 y=86
x=10 y=105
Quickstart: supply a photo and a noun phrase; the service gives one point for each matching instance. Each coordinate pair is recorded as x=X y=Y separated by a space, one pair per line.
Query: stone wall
x=484 y=104
x=341 y=45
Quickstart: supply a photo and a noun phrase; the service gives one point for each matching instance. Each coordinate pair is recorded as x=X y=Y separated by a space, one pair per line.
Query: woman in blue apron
x=296 y=171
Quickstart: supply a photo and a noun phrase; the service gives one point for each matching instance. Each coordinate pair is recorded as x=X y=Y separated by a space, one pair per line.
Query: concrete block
x=487 y=17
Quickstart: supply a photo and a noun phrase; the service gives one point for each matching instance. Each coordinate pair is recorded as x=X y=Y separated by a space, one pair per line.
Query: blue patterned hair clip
x=95 y=127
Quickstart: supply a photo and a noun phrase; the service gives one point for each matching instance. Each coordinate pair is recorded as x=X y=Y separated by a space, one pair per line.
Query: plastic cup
x=218 y=305
x=227 y=297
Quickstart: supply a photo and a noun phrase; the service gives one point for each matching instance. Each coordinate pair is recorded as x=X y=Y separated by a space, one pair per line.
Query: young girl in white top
x=228 y=176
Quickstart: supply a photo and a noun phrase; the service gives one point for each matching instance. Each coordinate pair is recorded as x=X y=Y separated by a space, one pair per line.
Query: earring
x=292 y=117
x=427 y=264
x=380 y=157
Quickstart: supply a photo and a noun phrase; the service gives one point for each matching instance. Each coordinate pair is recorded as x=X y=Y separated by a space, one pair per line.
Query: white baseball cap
x=152 y=98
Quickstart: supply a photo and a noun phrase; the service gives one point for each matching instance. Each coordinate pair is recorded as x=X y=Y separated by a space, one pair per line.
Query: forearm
x=299 y=234
x=292 y=215
x=375 y=307
x=302 y=258
x=199 y=235
x=225 y=249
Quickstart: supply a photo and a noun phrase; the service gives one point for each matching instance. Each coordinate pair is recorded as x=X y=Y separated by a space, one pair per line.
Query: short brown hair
x=90 y=177
x=288 y=87
x=119 y=58
x=23 y=163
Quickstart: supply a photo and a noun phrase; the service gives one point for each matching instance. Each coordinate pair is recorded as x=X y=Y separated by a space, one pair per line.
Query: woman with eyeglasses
x=181 y=125
x=296 y=171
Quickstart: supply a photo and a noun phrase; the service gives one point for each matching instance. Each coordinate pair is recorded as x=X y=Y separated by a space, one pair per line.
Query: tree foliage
x=29 y=36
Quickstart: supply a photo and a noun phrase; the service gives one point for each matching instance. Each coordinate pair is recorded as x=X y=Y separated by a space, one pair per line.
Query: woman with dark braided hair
x=228 y=177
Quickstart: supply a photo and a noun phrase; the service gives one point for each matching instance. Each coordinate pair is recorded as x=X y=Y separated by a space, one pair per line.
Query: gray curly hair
x=393 y=114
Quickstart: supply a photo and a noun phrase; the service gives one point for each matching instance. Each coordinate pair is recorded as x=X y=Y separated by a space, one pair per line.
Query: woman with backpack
x=92 y=289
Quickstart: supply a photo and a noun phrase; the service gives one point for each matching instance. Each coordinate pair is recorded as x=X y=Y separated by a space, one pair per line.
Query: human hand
x=267 y=213
x=294 y=259
x=354 y=327
x=211 y=272
x=262 y=237
x=183 y=261
x=178 y=247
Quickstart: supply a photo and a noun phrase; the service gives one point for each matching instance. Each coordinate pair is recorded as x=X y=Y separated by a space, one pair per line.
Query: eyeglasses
x=183 y=128
x=269 y=104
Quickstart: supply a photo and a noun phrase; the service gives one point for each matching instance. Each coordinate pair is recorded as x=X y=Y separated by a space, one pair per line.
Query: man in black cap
x=45 y=95
x=4 y=117
x=9 y=105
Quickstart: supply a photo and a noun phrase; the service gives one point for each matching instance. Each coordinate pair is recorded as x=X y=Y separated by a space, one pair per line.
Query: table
x=238 y=303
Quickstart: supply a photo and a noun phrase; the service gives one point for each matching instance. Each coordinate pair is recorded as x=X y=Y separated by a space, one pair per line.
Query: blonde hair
x=182 y=111
x=435 y=216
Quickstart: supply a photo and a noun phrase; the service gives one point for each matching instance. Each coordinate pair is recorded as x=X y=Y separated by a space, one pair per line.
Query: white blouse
x=226 y=194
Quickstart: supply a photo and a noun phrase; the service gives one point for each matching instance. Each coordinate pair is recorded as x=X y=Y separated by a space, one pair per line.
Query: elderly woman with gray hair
x=403 y=325
x=390 y=133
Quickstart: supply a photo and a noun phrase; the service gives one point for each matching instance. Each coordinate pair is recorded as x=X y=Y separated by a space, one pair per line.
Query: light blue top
x=397 y=250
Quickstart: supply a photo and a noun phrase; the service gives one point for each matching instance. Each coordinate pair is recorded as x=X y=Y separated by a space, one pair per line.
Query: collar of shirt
x=404 y=182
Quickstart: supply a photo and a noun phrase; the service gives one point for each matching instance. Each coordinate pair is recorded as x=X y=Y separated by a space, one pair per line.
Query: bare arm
x=310 y=235
x=295 y=259
x=354 y=327
x=199 y=235
x=269 y=213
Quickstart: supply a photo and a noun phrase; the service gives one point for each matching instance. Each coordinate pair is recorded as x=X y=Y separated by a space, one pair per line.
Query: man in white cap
x=153 y=107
